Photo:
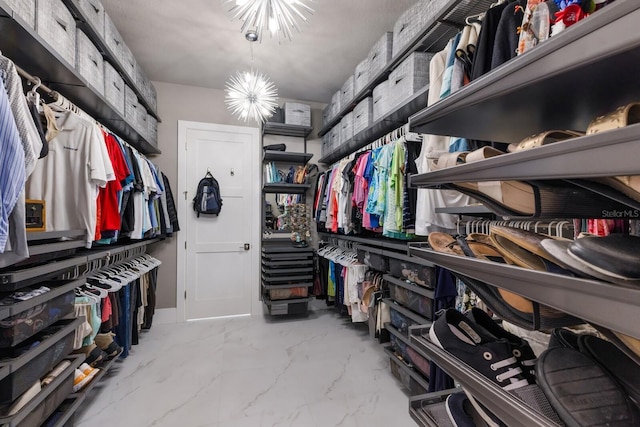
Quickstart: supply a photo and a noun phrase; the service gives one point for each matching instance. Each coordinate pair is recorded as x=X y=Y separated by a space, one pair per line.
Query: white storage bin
x=130 y=105
x=361 y=76
x=413 y=21
x=93 y=12
x=114 y=88
x=152 y=130
x=56 y=26
x=128 y=62
x=89 y=62
x=112 y=38
x=25 y=9
x=380 y=54
x=346 y=128
x=334 y=141
x=336 y=107
x=380 y=100
x=362 y=115
x=346 y=93
x=408 y=77
x=297 y=114
x=141 y=121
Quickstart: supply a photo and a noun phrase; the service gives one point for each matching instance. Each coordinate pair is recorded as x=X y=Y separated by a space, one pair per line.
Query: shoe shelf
x=285 y=129
x=392 y=120
x=433 y=37
x=94 y=35
x=38 y=409
x=430 y=410
x=286 y=157
x=377 y=242
x=285 y=188
x=603 y=154
x=410 y=378
x=71 y=405
x=24 y=46
x=587 y=70
x=510 y=409
x=604 y=304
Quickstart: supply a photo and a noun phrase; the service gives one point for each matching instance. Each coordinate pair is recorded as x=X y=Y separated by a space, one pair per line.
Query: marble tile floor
x=320 y=371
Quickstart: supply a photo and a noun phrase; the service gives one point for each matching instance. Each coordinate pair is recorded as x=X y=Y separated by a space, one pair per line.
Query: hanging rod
x=394 y=135
x=37 y=81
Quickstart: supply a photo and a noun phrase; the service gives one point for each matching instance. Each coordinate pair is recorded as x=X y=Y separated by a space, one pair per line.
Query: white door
x=219 y=265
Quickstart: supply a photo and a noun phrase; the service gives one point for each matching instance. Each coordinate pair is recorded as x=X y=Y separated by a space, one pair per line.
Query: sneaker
x=460 y=410
x=83 y=376
x=478 y=348
x=106 y=343
x=520 y=348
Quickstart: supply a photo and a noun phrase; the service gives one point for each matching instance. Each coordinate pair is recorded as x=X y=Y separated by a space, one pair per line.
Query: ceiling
x=195 y=43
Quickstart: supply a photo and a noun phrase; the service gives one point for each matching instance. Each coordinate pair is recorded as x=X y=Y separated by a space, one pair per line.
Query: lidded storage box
x=380 y=54
x=408 y=77
x=408 y=26
x=93 y=12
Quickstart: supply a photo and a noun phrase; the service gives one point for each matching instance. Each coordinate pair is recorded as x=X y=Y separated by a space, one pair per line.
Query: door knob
x=247 y=246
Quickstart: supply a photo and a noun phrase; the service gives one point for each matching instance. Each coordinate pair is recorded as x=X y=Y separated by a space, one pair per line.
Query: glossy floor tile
x=320 y=371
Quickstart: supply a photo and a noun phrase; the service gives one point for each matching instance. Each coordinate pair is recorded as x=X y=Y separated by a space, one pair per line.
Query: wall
x=179 y=102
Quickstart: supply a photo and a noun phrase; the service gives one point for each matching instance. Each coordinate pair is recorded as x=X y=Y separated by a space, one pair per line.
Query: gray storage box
x=152 y=130
x=326 y=141
x=89 y=62
x=128 y=62
x=297 y=114
x=56 y=26
x=346 y=93
x=380 y=100
x=363 y=115
x=142 y=82
x=408 y=77
x=112 y=38
x=361 y=76
x=326 y=115
x=130 y=105
x=25 y=9
x=408 y=26
x=346 y=128
x=336 y=107
x=152 y=97
x=93 y=12
x=141 y=121
x=334 y=142
x=380 y=54
x=114 y=88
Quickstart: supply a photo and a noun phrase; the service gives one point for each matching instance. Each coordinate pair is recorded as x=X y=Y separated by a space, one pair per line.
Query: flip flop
x=543 y=138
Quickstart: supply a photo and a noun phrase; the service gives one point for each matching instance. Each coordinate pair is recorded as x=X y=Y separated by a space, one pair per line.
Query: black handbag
x=275 y=147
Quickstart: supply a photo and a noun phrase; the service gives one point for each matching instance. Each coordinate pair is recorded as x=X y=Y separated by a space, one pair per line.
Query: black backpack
x=207 y=199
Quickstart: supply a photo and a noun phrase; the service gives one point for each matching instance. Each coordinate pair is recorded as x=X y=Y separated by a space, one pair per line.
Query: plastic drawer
x=411 y=296
x=22 y=326
x=47 y=401
x=403 y=318
x=56 y=25
x=419 y=274
x=49 y=348
x=288 y=293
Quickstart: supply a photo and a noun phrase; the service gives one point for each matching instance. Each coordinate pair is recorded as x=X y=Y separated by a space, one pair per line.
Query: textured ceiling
x=194 y=42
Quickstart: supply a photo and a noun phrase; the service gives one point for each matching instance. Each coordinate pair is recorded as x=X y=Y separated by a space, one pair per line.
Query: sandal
x=543 y=138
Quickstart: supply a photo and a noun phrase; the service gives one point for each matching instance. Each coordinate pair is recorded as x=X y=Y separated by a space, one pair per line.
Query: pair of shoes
x=83 y=376
x=498 y=355
x=94 y=355
x=106 y=343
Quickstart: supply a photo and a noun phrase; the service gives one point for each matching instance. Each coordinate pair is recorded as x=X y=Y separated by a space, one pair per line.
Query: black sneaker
x=460 y=410
x=520 y=348
x=479 y=349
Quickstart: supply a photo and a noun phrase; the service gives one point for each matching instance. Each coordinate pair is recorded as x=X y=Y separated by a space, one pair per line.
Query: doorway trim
x=184 y=204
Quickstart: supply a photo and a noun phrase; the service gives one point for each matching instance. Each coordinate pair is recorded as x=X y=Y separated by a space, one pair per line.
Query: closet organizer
x=506 y=105
x=503 y=99
x=76 y=284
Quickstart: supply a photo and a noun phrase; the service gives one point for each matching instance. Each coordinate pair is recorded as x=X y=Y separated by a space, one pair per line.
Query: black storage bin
x=411 y=296
x=419 y=274
x=29 y=363
x=375 y=261
x=401 y=371
x=402 y=318
x=411 y=356
x=24 y=325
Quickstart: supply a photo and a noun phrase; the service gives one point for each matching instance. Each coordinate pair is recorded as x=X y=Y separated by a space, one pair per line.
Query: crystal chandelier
x=277 y=16
x=251 y=95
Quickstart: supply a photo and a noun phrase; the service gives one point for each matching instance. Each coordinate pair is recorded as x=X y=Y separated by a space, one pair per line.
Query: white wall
x=179 y=102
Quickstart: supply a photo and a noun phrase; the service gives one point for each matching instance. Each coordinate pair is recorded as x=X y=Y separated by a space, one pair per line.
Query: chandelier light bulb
x=251 y=95
x=279 y=17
